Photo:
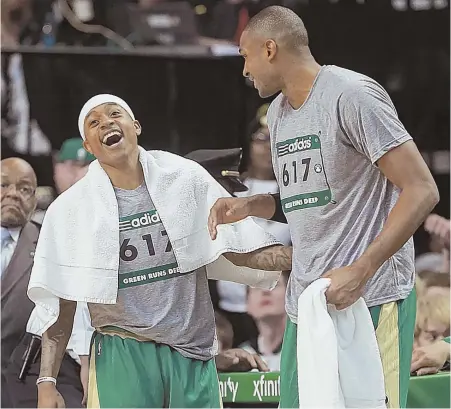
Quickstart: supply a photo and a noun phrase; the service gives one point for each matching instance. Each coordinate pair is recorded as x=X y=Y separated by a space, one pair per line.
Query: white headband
x=95 y=102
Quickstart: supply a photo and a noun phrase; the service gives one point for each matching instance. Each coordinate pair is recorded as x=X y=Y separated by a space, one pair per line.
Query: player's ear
x=271 y=49
x=87 y=146
x=138 y=128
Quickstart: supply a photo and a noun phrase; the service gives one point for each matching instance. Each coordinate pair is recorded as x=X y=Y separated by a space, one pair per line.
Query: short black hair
x=281 y=24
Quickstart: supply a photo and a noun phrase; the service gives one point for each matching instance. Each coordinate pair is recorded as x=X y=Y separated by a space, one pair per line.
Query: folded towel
x=339 y=364
x=77 y=255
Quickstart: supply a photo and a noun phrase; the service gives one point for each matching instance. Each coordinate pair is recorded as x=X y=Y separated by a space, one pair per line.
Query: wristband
x=46 y=379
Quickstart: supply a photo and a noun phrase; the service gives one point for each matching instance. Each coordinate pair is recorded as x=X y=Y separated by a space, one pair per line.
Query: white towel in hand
x=339 y=364
x=77 y=255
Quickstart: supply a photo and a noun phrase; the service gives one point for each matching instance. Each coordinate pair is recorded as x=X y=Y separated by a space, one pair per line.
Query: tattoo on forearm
x=55 y=339
x=274 y=258
x=271 y=258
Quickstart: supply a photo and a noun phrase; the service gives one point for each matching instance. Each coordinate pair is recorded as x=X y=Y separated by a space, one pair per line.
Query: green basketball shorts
x=127 y=373
x=394 y=324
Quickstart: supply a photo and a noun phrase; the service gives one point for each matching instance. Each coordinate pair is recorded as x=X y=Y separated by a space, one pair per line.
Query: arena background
x=191 y=100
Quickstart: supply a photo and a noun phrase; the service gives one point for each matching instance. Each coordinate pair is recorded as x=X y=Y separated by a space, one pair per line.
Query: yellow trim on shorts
x=122 y=333
x=387 y=334
x=93 y=393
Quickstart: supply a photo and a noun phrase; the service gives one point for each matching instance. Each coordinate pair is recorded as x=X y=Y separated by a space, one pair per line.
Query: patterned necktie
x=6 y=239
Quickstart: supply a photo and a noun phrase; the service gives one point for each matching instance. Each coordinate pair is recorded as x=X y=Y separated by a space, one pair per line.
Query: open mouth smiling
x=112 y=138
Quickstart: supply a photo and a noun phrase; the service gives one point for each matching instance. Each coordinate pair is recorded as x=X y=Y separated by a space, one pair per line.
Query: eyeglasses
x=25 y=191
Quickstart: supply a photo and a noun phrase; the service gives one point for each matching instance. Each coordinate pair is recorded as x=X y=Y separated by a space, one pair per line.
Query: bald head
x=275 y=49
x=18 y=199
x=17 y=165
x=281 y=25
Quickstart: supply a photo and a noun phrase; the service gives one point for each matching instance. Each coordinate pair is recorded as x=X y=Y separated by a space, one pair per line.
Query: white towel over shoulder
x=339 y=364
x=77 y=255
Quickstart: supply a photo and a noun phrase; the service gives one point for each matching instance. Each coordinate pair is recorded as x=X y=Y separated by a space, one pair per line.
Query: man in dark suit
x=18 y=242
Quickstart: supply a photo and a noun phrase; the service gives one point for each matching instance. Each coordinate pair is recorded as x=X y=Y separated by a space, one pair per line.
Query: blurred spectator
x=224 y=332
x=239 y=360
x=258 y=178
x=268 y=310
x=19 y=237
x=432 y=261
x=438 y=259
x=18 y=242
x=433 y=308
x=70 y=164
x=431 y=358
x=18 y=130
x=15 y=16
x=45 y=196
x=233 y=360
x=223 y=165
x=429 y=280
x=439 y=227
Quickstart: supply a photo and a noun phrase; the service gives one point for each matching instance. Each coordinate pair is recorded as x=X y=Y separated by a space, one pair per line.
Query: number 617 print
x=129 y=252
x=292 y=177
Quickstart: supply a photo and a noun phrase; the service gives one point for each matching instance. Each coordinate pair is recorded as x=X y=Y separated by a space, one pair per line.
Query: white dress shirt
x=9 y=239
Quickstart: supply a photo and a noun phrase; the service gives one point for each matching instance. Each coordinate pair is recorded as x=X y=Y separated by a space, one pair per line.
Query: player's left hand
x=239 y=360
x=346 y=287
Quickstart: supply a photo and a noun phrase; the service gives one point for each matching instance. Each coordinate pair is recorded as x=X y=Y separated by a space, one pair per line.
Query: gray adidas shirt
x=335 y=199
x=155 y=300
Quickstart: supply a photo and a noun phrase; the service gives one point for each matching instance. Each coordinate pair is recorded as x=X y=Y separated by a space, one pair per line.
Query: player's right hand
x=49 y=397
x=227 y=210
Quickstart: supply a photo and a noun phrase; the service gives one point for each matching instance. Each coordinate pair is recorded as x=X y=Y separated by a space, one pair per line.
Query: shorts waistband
x=122 y=333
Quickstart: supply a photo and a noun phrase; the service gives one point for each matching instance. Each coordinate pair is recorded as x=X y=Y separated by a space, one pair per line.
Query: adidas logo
x=299 y=144
x=145 y=219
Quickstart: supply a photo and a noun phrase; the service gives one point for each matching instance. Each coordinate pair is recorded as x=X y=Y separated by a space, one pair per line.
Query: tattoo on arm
x=274 y=258
x=55 y=339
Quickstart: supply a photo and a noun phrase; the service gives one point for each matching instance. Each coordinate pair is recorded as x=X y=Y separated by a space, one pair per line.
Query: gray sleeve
x=369 y=119
x=271 y=117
